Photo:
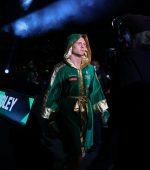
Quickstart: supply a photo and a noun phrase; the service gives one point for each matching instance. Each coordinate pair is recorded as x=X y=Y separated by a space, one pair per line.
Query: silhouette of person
x=131 y=91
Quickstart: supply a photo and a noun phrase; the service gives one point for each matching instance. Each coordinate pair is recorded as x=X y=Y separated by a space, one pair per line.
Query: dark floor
x=21 y=149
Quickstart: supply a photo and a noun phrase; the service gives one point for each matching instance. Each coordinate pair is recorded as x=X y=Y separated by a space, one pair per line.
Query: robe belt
x=81 y=104
x=81 y=107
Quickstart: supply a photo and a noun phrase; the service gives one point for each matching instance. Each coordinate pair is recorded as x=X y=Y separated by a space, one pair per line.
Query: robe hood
x=86 y=59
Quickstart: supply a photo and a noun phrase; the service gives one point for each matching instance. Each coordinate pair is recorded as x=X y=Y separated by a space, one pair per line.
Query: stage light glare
x=25 y=4
x=6 y=71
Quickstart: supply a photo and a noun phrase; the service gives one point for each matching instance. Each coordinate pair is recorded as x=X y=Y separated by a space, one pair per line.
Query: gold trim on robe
x=47 y=112
x=57 y=68
x=101 y=106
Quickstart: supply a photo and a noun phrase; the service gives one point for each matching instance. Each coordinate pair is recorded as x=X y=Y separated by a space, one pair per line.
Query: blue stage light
x=54 y=16
x=25 y=4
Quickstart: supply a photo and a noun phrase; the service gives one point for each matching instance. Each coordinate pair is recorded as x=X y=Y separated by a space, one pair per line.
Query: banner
x=15 y=106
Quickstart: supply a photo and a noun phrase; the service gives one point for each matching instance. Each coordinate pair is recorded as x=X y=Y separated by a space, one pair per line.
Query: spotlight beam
x=54 y=16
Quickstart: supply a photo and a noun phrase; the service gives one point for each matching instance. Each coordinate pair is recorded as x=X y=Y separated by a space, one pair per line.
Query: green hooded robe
x=74 y=94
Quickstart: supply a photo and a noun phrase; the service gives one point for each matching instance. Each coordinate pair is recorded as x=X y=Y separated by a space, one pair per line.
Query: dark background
x=49 y=46
x=20 y=146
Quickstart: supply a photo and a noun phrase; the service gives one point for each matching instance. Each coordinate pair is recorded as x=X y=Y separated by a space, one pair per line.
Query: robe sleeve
x=98 y=99
x=53 y=95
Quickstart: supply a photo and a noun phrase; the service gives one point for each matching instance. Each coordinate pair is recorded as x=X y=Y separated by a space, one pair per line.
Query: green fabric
x=105 y=118
x=72 y=38
x=66 y=83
